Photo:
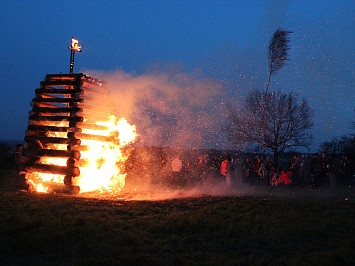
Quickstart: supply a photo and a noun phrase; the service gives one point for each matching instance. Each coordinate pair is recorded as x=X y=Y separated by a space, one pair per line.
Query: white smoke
x=169 y=108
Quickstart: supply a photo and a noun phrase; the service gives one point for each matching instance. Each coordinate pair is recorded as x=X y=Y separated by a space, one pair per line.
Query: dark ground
x=290 y=226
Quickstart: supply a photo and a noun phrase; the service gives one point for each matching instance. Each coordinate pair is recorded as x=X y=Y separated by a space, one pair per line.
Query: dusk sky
x=221 y=41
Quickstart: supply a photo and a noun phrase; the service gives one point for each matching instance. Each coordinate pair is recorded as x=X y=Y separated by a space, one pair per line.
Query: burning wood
x=58 y=91
x=56 y=118
x=53 y=128
x=52 y=153
x=98 y=108
x=92 y=126
x=78 y=147
x=56 y=100
x=56 y=109
x=72 y=138
x=83 y=136
x=81 y=163
x=54 y=169
x=40 y=104
x=44 y=140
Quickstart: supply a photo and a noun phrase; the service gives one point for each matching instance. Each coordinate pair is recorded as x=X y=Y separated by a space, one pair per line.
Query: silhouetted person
x=345 y=171
x=176 y=167
x=331 y=171
x=255 y=168
x=246 y=169
x=323 y=168
x=315 y=169
x=20 y=179
x=294 y=168
x=304 y=170
x=18 y=157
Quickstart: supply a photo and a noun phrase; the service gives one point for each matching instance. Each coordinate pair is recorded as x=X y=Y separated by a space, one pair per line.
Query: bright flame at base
x=105 y=159
x=101 y=164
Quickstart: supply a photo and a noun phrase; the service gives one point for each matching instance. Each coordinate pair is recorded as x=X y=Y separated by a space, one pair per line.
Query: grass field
x=204 y=230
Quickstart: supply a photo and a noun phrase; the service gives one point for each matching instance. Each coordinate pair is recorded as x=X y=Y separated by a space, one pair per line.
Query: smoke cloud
x=169 y=108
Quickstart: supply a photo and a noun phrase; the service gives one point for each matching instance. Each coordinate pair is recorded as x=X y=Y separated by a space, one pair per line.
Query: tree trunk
x=276 y=157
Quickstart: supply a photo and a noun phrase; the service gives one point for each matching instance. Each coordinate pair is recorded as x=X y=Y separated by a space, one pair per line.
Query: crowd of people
x=184 y=171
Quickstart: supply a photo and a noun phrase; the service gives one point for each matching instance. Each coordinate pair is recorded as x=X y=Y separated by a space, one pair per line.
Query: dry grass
x=246 y=230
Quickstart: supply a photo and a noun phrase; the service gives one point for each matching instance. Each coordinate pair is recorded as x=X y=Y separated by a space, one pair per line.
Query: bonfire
x=74 y=141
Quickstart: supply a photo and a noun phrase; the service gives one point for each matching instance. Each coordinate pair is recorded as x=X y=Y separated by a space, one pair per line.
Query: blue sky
x=221 y=40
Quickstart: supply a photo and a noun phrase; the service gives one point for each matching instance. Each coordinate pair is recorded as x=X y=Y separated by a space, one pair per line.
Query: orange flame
x=105 y=159
x=101 y=164
x=75 y=45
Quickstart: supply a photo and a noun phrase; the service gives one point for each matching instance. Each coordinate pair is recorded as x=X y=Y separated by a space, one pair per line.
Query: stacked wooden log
x=57 y=119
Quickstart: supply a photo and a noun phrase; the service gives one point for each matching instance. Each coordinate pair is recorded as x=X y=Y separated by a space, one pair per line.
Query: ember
x=73 y=140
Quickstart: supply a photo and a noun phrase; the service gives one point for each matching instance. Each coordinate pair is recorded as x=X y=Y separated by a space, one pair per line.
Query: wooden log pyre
x=56 y=118
x=57 y=100
x=91 y=136
x=61 y=83
x=53 y=169
x=58 y=91
x=78 y=147
x=35 y=152
x=70 y=77
x=44 y=140
x=53 y=128
x=61 y=98
x=91 y=126
x=56 y=109
x=40 y=104
x=82 y=163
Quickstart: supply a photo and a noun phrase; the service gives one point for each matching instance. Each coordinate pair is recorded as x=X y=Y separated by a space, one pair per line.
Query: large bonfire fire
x=74 y=140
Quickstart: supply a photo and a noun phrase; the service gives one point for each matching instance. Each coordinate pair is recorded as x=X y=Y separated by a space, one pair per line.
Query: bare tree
x=287 y=122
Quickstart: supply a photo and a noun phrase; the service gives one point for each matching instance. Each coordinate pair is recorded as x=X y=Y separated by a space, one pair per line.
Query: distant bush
x=342 y=145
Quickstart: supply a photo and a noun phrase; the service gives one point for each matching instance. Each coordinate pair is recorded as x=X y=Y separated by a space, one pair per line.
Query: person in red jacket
x=225 y=171
x=285 y=177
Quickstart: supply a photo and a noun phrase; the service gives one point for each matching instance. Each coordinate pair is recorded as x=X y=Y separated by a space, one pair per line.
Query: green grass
x=57 y=229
